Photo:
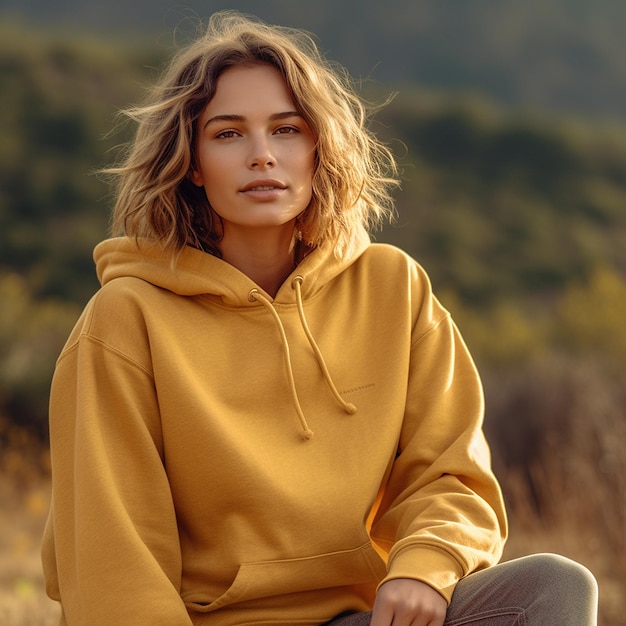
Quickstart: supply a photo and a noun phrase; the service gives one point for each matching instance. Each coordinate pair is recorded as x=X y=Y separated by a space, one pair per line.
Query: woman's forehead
x=242 y=89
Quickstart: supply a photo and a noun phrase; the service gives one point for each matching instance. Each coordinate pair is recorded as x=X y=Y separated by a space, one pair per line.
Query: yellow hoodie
x=223 y=458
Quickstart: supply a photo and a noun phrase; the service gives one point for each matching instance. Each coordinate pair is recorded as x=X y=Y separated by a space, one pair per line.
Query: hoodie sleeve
x=111 y=550
x=441 y=516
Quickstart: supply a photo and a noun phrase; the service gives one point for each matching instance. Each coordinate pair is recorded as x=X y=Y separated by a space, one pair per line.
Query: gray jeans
x=531 y=591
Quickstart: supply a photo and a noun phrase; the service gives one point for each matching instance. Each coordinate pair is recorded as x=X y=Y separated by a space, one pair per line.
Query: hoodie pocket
x=264 y=579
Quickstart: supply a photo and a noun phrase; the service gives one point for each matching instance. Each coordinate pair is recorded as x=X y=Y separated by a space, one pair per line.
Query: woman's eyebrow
x=241 y=118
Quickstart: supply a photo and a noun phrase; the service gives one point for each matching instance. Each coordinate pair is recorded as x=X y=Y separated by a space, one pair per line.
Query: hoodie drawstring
x=256 y=295
x=348 y=407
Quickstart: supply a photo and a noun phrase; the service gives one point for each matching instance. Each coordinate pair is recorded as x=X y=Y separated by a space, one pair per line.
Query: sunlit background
x=510 y=127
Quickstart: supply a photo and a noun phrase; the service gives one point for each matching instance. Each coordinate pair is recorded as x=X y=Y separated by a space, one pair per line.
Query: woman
x=261 y=417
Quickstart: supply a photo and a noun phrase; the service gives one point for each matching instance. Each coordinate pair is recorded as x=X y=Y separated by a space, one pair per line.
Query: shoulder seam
x=430 y=329
x=86 y=337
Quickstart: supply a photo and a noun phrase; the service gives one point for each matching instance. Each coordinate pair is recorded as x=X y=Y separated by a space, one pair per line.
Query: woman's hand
x=407 y=602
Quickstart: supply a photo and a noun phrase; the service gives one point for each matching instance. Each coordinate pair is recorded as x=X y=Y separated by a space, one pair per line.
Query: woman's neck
x=267 y=258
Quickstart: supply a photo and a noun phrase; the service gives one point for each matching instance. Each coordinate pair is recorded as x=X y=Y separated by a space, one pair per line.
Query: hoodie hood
x=196 y=273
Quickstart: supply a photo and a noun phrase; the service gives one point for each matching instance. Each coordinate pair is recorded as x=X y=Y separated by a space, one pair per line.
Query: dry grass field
x=22 y=598
x=583 y=527
x=24 y=501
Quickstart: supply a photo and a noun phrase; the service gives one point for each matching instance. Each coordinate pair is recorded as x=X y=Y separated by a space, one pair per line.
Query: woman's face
x=255 y=152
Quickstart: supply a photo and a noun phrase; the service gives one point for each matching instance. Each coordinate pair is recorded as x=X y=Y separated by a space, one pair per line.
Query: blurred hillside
x=513 y=151
x=510 y=211
x=563 y=55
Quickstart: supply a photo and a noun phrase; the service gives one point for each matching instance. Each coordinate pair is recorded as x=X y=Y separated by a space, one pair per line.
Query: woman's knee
x=565 y=591
x=560 y=574
x=547 y=588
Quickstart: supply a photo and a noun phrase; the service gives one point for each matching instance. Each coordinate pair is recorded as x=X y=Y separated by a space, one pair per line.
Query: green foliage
x=59 y=98
x=590 y=318
x=583 y=322
x=32 y=333
x=498 y=205
x=504 y=336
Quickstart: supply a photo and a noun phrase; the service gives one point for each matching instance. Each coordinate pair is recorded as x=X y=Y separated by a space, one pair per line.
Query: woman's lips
x=263 y=182
x=264 y=189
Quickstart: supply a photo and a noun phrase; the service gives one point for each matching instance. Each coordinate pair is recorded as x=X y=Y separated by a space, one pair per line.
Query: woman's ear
x=194 y=174
x=195 y=177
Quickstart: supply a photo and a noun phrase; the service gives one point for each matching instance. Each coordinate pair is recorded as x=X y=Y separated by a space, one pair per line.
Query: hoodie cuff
x=428 y=565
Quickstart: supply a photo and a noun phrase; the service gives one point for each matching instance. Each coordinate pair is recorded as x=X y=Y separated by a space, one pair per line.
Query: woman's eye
x=286 y=130
x=226 y=134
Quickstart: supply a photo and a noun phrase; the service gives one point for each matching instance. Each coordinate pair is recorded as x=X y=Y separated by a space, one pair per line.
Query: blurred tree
x=590 y=318
x=32 y=334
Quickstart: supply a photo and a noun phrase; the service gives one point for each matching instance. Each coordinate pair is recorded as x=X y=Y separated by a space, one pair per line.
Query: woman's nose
x=260 y=156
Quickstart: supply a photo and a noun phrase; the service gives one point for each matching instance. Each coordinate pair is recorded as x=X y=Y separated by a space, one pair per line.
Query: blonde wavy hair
x=353 y=175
